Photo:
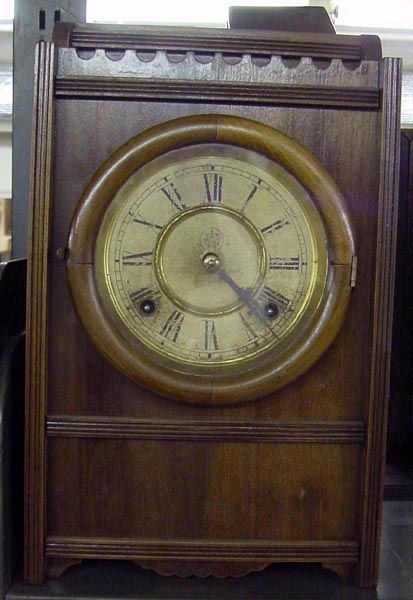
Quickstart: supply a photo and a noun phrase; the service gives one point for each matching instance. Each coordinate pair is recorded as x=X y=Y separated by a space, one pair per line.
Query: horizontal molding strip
x=346 y=432
x=236 y=550
x=211 y=91
x=221 y=40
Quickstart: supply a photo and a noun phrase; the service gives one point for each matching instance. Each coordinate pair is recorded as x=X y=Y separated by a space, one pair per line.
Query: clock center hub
x=196 y=247
x=211 y=262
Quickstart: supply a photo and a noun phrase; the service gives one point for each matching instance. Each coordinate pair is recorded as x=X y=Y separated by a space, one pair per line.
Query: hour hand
x=211 y=264
x=245 y=295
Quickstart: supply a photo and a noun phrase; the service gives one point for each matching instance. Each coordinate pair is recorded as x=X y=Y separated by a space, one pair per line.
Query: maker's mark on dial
x=211 y=239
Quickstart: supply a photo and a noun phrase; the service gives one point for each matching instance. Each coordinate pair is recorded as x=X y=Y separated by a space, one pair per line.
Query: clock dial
x=211 y=256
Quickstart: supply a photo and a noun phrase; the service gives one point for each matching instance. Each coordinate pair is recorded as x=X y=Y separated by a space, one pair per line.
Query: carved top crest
x=198 y=39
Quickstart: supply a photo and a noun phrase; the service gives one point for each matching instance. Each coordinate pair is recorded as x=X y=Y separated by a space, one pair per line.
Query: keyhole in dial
x=271 y=310
x=147 y=306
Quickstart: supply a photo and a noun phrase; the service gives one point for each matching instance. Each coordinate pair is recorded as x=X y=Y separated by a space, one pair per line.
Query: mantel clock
x=210 y=292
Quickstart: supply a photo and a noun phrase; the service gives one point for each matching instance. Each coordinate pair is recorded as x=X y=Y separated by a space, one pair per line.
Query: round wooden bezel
x=142 y=365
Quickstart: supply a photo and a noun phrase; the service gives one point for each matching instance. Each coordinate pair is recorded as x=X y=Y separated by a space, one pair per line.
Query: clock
x=203 y=259
x=210 y=295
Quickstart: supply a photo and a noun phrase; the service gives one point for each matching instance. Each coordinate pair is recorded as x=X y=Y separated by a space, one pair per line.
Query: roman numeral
x=173 y=325
x=269 y=295
x=249 y=330
x=145 y=293
x=141 y=259
x=279 y=224
x=213 y=188
x=210 y=339
x=173 y=196
x=250 y=197
x=284 y=264
x=148 y=223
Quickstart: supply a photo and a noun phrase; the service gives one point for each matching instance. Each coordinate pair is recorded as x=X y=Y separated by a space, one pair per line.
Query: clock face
x=209 y=259
x=210 y=256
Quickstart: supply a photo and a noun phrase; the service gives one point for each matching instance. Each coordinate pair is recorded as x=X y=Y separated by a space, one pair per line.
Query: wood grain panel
x=215 y=490
x=383 y=313
x=37 y=314
x=333 y=395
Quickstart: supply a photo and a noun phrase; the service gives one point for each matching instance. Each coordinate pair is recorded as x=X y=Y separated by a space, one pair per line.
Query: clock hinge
x=353 y=272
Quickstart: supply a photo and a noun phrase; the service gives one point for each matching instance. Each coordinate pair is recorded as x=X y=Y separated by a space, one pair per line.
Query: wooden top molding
x=217 y=77
x=215 y=66
x=217 y=40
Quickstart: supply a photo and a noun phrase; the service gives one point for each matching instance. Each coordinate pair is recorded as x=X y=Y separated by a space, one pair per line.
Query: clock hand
x=211 y=263
x=245 y=295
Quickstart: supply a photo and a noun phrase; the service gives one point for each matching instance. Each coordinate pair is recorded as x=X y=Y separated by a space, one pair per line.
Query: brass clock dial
x=210 y=256
x=210 y=264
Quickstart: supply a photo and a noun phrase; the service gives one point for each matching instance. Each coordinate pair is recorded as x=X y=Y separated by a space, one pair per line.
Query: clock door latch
x=353 y=272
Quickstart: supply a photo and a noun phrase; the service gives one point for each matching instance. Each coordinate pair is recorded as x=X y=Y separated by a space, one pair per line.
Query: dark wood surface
x=12 y=299
x=400 y=437
x=12 y=322
x=293 y=476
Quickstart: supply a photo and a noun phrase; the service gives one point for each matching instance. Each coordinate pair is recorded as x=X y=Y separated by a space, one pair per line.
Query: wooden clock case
x=114 y=471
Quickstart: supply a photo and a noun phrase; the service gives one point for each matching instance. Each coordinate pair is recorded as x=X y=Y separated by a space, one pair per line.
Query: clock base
x=220 y=570
x=57 y=566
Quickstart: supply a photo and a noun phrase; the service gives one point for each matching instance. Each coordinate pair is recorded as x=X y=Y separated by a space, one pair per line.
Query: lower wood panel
x=143 y=489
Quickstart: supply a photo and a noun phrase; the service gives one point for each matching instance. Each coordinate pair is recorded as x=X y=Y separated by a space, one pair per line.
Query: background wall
x=6 y=58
